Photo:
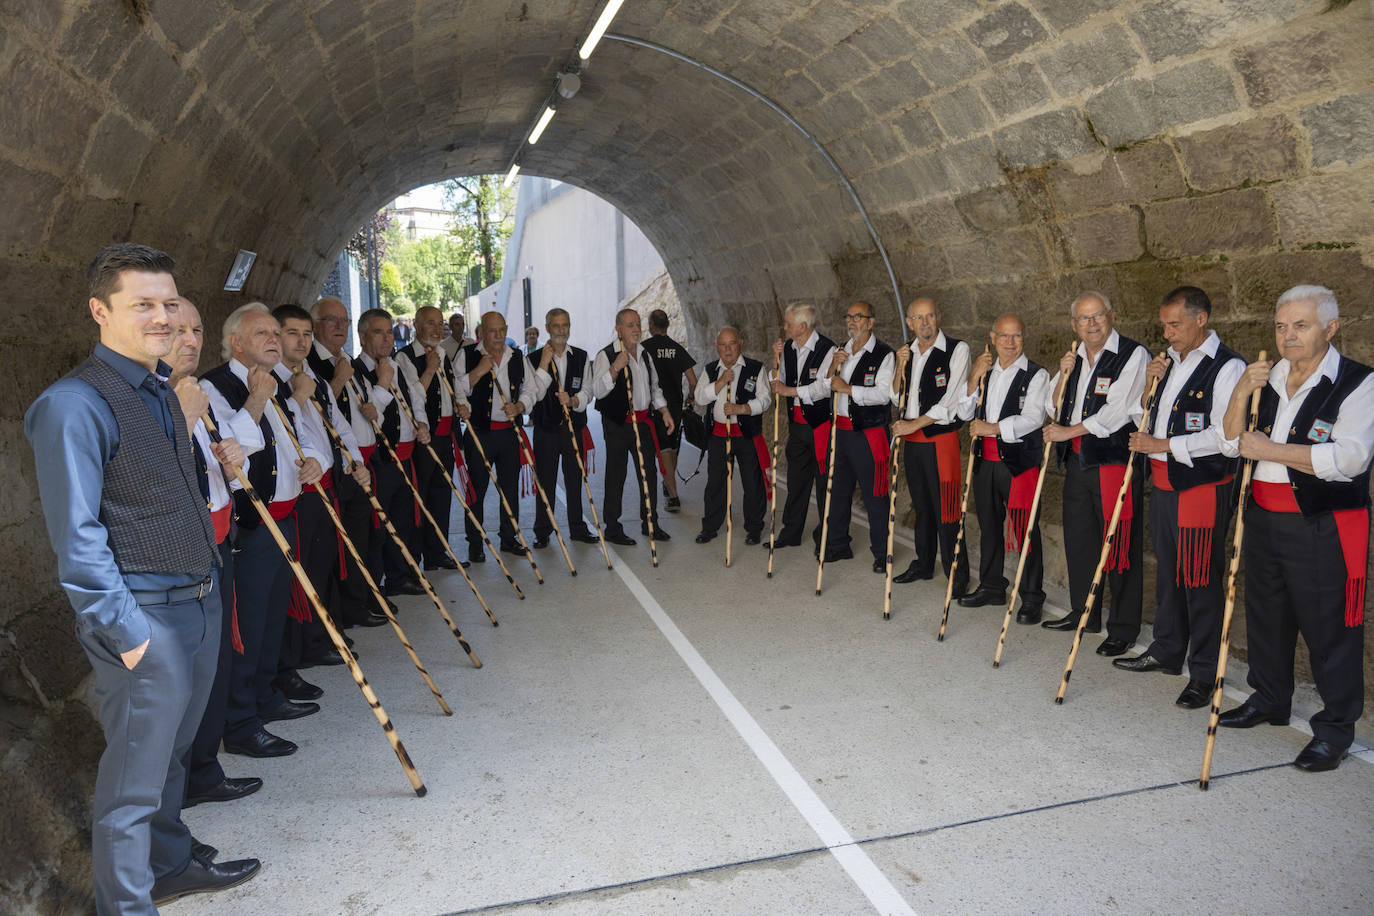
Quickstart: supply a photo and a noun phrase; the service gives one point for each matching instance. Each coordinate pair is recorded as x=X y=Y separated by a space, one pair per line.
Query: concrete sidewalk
x=698 y=739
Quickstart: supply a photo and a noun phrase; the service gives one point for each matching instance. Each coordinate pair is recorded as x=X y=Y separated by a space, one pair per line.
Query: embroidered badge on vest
x=869 y=378
x=749 y=385
x=811 y=373
x=940 y=380
x=1021 y=403
x=1320 y=431
x=575 y=382
x=1193 y=422
x=1102 y=386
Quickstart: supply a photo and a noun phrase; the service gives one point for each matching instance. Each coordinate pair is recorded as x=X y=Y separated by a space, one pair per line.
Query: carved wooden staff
x=892 y=499
x=362 y=566
x=1224 y=652
x=538 y=487
x=829 y=484
x=505 y=504
x=1095 y=590
x=773 y=470
x=405 y=551
x=424 y=510
x=334 y=636
x=729 y=490
x=1030 y=524
x=963 y=511
x=643 y=471
x=582 y=469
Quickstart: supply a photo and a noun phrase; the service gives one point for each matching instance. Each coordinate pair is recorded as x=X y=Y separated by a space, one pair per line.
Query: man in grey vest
x=113 y=452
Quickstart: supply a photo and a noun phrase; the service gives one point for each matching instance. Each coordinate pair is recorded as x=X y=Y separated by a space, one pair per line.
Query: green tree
x=390 y=285
x=387 y=234
x=432 y=270
x=484 y=217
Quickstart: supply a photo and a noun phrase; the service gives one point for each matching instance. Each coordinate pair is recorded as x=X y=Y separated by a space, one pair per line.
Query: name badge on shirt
x=940 y=380
x=1320 y=431
x=1021 y=403
x=1102 y=386
x=811 y=373
x=870 y=378
x=575 y=382
x=1193 y=422
x=749 y=385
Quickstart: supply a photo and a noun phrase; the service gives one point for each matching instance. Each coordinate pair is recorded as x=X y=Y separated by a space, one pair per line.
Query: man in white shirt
x=1006 y=465
x=1307 y=525
x=559 y=374
x=1190 y=503
x=736 y=389
x=804 y=365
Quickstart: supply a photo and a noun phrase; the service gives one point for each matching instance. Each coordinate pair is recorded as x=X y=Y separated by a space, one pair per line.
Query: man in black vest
x=930 y=428
x=492 y=378
x=559 y=373
x=422 y=363
x=672 y=362
x=737 y=390
x=1106 y=378
x=861 y=384
x=623 y=359
x=1307 y=526
x=805 y=365
x=1190 y=504
x=1006 y=465
x=112 y=451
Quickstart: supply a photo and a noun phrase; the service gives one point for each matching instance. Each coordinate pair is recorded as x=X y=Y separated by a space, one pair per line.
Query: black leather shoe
x=203 y=851
x=983 y=597
x=444 y=562
x=203 y=877
x=843 y=553
x=619 y=537
x=322 y=659
x=261 y=743
x=227 y=790
x=913 y=573
x=1112 y=647
x=541 y=543
x=673 y=504
x=880 y=567
x=373 y=619
x=476 y=555
x=513 y=548
x=1196 y=695
x=586 y=537
x=1029 y=613
x=290 y=709
x=960 y=588
x=779 y=543
x=1319 y=756
x=659 y=533
x=1146 y=662
x=1247 y=716
x=1070 y=622
x=404 y=587
x=751 y=539
x=296 y=687
x=704 y=537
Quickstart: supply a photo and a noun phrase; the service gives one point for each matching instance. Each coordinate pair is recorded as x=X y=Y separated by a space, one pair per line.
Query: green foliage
x=484 y=217
x=390 y=285
x=432 y=270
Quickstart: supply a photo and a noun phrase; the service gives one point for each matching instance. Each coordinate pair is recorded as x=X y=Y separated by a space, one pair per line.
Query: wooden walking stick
x=963 y=511
x=1030 y=524
x=643 y=471
x=505 y=504
x=334 y=636
x=773 y=470
x=405 y=552
x=362 y=566
x=729 y=490
x=443 y=535
x=582 y=469
x=1231 y=573
x=892 y=501
x=1095 y=590
x=829 y=483
x=538 y=487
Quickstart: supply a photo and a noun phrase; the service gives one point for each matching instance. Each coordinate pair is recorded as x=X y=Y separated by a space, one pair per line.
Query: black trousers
x=854 y=465
x=555 y=446
x=203 y=771
x=805 y=475
x=991 y=488
x=741 y=451
x=262 y=584
x=503 y=451
x=1188 y=620
x=620 y=444
x=1084 y=527
x=355 y=598
x=437 y=497
x=1295 y=583
x=923 y=483
x=384 y=557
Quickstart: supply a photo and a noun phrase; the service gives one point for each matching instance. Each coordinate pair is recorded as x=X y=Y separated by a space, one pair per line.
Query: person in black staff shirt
x=1101 y=406
x=1307 y=524
x=862 y=388
x=929 y=427
x=737 y=390
x=1191 y=501
x=672 y=362
x=137 y=557
x=486 y=366
x=1007 y=465
x=625 y=357
x=559 y=374
x=804 y=360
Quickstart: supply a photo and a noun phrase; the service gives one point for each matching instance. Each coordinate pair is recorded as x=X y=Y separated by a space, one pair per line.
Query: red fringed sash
x=1197 y=520
x=220 y=519
x=642 y=416
x=1019 y=502
x=588 y=445
x=1353 y=527
x=1109 y=478
x=234 y=636
x=947 y=461
x=881 y=451
x=727 y=430
x=298 y=606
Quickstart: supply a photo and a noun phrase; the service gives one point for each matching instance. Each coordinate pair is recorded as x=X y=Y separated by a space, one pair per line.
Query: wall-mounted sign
x=238 y=274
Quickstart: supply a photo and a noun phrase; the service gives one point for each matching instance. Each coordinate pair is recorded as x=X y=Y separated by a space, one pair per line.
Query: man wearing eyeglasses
x=861 y=384
x=1092 y=430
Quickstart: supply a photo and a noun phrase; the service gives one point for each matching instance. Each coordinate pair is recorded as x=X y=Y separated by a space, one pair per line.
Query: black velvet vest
x=548 y=413
x=818 y=413
x=1190 y=413
x=1115 y=448
x=746 y=387
x=933 y=384
x=1019 y=457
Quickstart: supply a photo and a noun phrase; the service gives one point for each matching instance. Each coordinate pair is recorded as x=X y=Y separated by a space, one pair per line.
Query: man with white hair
x=1101 y=405
x=804 y=365
x=1307 y=524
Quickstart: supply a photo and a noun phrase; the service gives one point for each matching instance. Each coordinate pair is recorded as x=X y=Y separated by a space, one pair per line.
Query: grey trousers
x=149 y=716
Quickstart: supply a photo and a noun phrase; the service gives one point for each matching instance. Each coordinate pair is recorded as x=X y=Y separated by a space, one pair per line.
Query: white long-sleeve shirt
x=381 y=399
x=309 y=427
x=1017 y=425
x=865 y=396
x=1205 y=441
x=946 y=409
x=541 y=381
x=1123 y=398
x=220 y=486
x=643 y=381
x=817 y=390
x=501 y=373
x=412 y=375
x=706 y=393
